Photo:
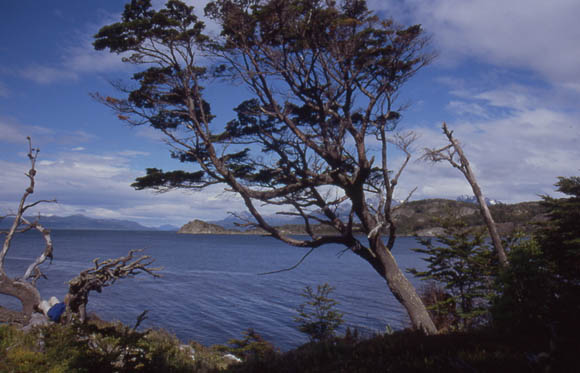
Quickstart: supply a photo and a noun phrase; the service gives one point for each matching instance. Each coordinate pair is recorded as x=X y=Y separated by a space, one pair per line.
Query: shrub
x=93 y=347
x=251 y=347
x=464 y=265
x=317 y=317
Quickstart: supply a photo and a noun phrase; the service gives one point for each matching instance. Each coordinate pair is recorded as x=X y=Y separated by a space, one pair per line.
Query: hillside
x=420 y=217
x=416 y=217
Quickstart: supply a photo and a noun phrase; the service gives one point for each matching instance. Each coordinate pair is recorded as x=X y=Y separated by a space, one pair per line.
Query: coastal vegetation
x=514 y=308
x=518 y=318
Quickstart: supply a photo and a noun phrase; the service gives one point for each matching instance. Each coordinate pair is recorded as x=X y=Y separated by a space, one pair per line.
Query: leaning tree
x=313 y=140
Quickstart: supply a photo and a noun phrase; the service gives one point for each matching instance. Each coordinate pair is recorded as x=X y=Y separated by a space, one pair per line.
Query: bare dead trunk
x=405 y=292
x=491 y=226
x=24 y=288
x=485 y=213
x=103 y=274
x=26 y=293
x=450 y=153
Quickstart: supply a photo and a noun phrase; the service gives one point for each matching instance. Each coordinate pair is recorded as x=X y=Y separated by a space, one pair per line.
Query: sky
x=506 y=80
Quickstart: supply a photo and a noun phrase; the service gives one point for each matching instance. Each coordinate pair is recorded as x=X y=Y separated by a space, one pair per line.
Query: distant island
x=414 y=218
x=80 y=222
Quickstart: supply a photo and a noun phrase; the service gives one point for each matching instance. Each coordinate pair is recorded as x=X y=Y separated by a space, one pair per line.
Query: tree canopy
x=324 y=77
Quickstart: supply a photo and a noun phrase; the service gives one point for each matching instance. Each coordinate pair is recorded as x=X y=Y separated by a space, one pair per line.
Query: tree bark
x=465 y=168
x=26 y=293
x=24 y=288
x=403 y=290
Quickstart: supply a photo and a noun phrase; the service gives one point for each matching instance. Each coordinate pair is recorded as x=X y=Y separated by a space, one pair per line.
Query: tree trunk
x=466 y=170
x=405 y=292
x=485 y=213
x=491 y=226
x=386 y=266
x=24 y=291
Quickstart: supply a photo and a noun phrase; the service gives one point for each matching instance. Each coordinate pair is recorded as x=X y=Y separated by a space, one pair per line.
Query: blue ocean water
x=211 y=289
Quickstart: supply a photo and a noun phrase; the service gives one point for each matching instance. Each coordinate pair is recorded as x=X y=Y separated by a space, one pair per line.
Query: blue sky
x=507 y=80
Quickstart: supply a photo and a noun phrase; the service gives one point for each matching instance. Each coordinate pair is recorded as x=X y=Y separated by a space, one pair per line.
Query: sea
x=212 y=287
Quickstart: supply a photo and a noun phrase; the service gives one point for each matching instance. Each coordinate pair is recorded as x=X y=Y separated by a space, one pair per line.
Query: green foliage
x=404 y=352
x=251 y=347
x=159 y=180
x=540 y=292
x=440 y=305
x=317 y=317
x=463 y=264
x=93 y=347
x=560 y=237
x=523 y=291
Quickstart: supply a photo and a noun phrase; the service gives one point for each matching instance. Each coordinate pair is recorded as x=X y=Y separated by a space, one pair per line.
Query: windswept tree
x=315 y=137
x=103 y=274
x=24 y=287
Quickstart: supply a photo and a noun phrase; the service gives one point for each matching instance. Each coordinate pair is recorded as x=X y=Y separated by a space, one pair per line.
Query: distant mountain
x=168 y=228
x=472 y=199
x=82 y=222
x=275 y=219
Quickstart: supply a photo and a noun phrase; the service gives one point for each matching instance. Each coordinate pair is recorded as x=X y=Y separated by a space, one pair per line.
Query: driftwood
x=104 y=274
x=24 y=288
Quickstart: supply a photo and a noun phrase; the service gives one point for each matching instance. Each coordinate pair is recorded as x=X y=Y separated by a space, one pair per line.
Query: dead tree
x=453 y=153
x=24 y=288
x=103 y=274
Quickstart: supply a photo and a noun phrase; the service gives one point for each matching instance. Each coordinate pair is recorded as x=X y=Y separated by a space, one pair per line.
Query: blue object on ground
x=56 y=311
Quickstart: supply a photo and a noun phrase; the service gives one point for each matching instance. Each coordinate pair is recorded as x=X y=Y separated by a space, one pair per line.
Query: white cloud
x=468 y=108
x=12 y=131
x=132 y=153
x=46 y=74
x=78 y=149
x=98 y=185
x=150 y=133
x=532 y=34
x=83 y=58
x=516 y=156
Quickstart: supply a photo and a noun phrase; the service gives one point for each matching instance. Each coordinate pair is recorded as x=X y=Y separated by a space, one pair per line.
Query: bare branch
x=33 y=272
x=24 y=288
x=104 y=274
x=289 y=268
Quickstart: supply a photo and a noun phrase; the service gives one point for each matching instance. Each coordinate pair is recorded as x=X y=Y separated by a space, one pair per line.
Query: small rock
x=189 y=350
x=232 y=357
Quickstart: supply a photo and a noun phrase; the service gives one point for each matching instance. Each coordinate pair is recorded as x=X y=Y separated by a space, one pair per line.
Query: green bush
x=317 y=317
x=251 y=347
x=94 y=347
x=463 y=265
